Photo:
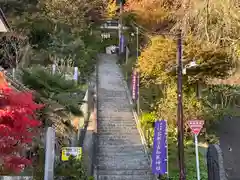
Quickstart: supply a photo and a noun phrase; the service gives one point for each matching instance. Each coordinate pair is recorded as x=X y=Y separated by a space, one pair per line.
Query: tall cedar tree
x=18 y=126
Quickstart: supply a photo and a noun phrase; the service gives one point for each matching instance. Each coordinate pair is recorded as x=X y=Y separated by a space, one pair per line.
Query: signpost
x=196 y=126
x=71 y=151
x=160 y=149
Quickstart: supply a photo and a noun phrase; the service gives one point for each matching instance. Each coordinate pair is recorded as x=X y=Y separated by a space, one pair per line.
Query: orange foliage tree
x=152 y=15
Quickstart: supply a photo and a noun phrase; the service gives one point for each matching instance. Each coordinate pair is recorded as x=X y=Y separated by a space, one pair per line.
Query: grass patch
x=190 y=161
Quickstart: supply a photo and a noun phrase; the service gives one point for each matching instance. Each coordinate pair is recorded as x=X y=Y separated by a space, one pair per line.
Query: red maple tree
x=17 y=127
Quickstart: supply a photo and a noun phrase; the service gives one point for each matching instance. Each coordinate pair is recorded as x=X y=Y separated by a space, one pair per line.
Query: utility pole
x=180 y=123
x=120 y=25
x=138 y=77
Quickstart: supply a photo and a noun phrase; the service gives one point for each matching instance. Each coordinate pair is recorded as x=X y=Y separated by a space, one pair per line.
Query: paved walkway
x=121 y=154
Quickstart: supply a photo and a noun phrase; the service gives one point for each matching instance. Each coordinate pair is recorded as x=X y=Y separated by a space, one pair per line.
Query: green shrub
x=73 y=169
x=55 y=87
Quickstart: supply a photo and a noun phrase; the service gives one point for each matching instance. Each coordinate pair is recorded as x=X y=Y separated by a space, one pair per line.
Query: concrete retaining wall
x=215 y=165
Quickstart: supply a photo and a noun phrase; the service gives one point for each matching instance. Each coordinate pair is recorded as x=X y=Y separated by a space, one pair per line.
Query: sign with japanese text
x=134 y=85
x=71 y=151
x=196 y=126
x=122 y=44
x=159 y=154
x=75 y=74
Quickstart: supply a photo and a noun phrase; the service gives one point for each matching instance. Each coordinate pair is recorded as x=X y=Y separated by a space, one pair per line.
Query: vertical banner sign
x=53 y=68
x=13 y=72
x=159 y=155
x=134 y=84
x=122 y=44
x=137 y=86
x=75 y=74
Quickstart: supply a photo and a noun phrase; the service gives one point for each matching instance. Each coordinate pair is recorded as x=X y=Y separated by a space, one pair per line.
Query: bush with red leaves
x=17 y=128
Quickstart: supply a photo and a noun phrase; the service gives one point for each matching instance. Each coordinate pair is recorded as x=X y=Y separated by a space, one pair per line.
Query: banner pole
x=167 y=150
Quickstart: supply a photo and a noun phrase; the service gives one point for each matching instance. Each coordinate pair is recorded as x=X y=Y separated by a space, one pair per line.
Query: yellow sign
x=71 y=151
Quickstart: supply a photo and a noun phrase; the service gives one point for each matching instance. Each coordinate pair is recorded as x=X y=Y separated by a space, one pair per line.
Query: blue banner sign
x=159 y=154
x=122 y=44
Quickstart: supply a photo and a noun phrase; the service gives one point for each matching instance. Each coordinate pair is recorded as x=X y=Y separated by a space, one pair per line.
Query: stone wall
x=88 y=132
x=16 y=178
x=215 y=165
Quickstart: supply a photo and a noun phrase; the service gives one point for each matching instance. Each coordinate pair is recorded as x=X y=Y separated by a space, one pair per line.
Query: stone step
x=118 y=128
x=115 y=117
x=122 y=142
x=105 y=92
x=109 y=142
x=110 y=114
x=123 y=154
x=135 y=146
x=115 y=149
x=123 y=130
x=120 y=137
x=112 y=109
x=128 y=134
x=117 y=123
x=104 y=100
x=123 y=119
x=124 y=163
x=133 y=158
x=111 y=101
x=125 y=172
x=123 y=177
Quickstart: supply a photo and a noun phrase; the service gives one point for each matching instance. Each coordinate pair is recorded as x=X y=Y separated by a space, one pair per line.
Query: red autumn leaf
x=17 y=127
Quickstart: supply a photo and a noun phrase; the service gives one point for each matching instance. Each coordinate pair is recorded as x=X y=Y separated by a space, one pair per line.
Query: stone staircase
x=121 y=154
